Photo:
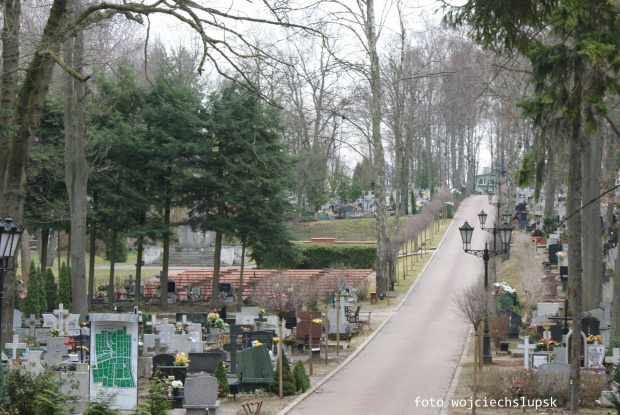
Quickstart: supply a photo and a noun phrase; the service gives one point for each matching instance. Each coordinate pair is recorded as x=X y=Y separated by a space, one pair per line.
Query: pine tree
x=32 y=302
x=51 y=290
x=64 y=286
x=302 y=381
x=288 y=381
x=220 y=375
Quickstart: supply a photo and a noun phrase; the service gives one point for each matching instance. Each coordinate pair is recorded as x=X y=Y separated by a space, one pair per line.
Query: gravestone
x=32 y=361
x=53 y=358
x=60 y=314
x=590 y=325
x=32 y=325
x=303 y=329
x=15 y=347
x=42 y=334
x=553 y=250
x=165 y=330
x=584 y=350
x=163 y=359
x=233 y=347
x=55 y=344
x=291 y=320
x=201 y=395
x=50 y=321
x=526 y=346
x=205 y=362
x=555 y=333
x=255 y=364
x=334 y=318
x=554 y=376
x=516 y=321
x=539 y=359
x=17 y=318
x=72 y=325
x=614 y=358
x=265 y=337
x=551 y=309
x=560 y=354
x=596 y=355
x=200 y=318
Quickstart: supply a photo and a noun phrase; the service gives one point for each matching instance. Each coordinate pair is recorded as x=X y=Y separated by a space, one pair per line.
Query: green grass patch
x=342 y=230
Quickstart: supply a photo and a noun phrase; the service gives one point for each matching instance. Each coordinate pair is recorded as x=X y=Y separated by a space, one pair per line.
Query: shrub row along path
x=416 y=352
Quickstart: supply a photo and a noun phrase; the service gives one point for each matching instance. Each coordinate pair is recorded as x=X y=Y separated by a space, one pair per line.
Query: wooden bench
x=353 y=317
x=252 y=407
x=364 y=322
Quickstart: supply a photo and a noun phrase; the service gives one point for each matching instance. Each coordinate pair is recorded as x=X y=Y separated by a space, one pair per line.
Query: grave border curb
x=362 y=346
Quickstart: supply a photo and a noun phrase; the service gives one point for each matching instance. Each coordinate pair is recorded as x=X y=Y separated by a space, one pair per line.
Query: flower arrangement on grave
x=224 y=294
x=176 y=384
x=100 y=291
x=54 y=332
x=561 y=255
x=192 y=296
x=542 y=344
x=245 y=329
x=594 y=339
x=181 y=360
x=256 y=343
x=291 y=341
x=212 y=316
x=275 y=340
x=84 y=323
x=317 y=320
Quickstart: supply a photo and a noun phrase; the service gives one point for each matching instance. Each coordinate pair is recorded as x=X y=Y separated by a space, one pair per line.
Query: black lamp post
x=9 y=240
x=505 y=233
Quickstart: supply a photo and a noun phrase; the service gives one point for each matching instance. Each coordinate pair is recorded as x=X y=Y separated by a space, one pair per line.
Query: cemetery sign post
x=9 y=240
x=505 y=233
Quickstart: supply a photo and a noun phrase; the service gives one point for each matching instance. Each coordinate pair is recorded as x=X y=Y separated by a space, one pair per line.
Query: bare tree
x=472 y=305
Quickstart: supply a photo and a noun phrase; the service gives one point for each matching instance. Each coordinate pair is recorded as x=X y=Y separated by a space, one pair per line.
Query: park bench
x=364 y=322
x=353 y=317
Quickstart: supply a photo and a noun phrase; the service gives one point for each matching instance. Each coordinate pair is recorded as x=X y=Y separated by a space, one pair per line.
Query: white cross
x=32 y=322
x=15 y=346
x=613 y=359
x=61 y=313
x=526 y=346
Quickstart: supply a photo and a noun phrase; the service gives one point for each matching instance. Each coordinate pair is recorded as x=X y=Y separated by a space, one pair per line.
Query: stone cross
x=615 y=358
x=15 y=346
x=546 y=326
x=526 y=346
x=32 y=323
x=61 y=313
x=233 y=347
x=33 y=360
x=130 y=282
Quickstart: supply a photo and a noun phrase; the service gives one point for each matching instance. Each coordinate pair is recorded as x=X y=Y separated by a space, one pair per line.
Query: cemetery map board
x=114 y=361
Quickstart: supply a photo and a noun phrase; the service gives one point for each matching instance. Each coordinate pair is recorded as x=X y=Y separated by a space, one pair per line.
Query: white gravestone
x=33 y=361
x=72 y=325
x=17 y=319
x=50 y=321
x=526 y=346
x=61 y=313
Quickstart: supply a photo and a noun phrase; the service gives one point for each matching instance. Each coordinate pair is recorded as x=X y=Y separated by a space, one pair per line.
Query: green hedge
x=320 y=256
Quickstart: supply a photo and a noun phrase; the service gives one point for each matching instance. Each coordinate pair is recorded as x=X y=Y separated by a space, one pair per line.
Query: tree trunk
x=592 y=230
x=76 y=173
x=165 y=255
x=45 y=236
x=378 y=161
x=217 y=259
x=574 y=229
x=25 y=253
x=91 y=263
x=615 y=311
x=549 y=183
x=111 y=290
x=240 y=294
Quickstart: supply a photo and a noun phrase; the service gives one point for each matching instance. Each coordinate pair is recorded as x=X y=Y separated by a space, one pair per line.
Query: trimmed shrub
x=34 y=296
x=288 y=381
x=32 y=394
x=302 y=381
x=64 y=286
x=220 y=375
x=51 y=290
x=321 y=256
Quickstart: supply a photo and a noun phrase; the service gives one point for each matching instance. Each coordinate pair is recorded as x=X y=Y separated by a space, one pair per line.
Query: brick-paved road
x=416 y=353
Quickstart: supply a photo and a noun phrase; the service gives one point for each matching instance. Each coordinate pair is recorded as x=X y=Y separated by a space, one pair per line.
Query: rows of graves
x=551 y=322
x=114 y=352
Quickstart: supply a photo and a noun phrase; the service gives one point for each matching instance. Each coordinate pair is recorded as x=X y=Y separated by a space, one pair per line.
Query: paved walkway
x=415 y=354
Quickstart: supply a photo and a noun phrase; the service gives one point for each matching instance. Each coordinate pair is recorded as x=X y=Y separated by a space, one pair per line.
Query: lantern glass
x=466 y=233
x=482 y=217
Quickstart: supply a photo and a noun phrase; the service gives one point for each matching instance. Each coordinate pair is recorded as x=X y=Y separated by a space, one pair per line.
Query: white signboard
x=114 y=358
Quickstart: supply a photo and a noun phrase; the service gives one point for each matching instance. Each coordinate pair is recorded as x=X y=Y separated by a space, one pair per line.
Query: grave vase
x=176 y=391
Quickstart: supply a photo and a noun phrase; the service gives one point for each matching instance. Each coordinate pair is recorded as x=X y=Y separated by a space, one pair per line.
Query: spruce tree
x=51 y=290
x=32 y=302
x=288 y=381
x=64 y=286
x=302 y=381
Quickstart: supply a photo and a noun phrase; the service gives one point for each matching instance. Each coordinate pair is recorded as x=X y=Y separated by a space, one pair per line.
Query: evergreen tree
x=51 y=290
x=32 y=303
x=288 y=380
x=302 y=381
x=64 y=286
x=220 y=375
x=120 y=253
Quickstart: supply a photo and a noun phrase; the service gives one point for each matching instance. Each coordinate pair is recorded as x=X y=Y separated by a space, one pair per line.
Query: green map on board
x=113 y=357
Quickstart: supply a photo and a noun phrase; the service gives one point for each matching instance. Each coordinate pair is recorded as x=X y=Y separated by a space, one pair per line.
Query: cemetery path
x=413 y=357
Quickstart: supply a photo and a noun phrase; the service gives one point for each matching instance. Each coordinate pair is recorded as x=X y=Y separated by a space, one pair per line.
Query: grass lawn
x=342 y=230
